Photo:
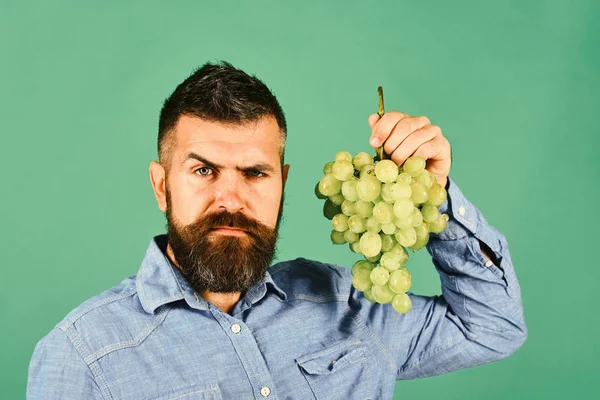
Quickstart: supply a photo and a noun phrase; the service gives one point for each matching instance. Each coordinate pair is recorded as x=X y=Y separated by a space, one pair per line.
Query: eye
x=256 y=173
x=204 y=170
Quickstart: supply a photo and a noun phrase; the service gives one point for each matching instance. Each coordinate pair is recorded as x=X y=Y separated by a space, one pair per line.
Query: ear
x=284 y=173
x=157 y=179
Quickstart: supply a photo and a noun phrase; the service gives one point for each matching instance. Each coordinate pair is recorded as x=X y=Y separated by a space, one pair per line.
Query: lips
x=228 y=230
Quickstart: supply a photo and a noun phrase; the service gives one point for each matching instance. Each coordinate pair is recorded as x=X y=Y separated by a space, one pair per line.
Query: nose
x=228 y=196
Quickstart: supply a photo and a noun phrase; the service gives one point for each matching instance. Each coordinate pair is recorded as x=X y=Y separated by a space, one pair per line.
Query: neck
x=225 y=301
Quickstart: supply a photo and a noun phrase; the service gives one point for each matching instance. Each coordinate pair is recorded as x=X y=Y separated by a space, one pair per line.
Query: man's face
x=223 y=201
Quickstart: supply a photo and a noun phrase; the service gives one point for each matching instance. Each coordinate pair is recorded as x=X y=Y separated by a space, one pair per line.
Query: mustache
x=231 y=220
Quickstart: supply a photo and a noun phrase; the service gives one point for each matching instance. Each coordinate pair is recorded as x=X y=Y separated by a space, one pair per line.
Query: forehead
x=261 y=137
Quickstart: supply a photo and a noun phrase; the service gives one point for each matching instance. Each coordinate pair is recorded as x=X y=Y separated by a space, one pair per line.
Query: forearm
x=478 y=277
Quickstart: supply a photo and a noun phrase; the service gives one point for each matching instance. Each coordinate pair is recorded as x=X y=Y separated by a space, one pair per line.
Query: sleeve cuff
x=463 y=216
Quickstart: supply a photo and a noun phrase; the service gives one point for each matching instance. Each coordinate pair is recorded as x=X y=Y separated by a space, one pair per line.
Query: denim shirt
x=302 y=333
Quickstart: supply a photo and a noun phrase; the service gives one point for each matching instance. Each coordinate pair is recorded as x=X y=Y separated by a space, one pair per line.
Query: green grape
x=337 y=237
x=403 y=208
x=430 y=213
x=414 y=165
x=419 y=193
x=387 y=242
x=328 y=185
x=422 y=230
x=389 y=228
x=349 y=189
x=416 y=218
x=342 y=170
x=372 y=225
x=403 y=222
x=367 y=170
x=363 y=208
x=379 y=276
x=420 y=243
x=406 y=237
x=386 y=171
x=330 y=209
x=425 y=178
x=368 y=295
x=362 y=281
x=356 y=224
x=383 y=212
x=401 y=251
x=436 y=195
x=401 y=303
x=355 y=247
x=340 y=222
x=405 y=178
x=400 y=280
x=327 y=167
x=362 y=159
x=337 y=199
x=370 y=244
x=375 y=258
x=368 y=188
x=438 y=225
x=343 y=156
x=390 y=261
x=360 y=265
x=386 y=194
x=350 y=236
x=400 y=191
x=319 y=195
x=347 y=207
x=382 y=293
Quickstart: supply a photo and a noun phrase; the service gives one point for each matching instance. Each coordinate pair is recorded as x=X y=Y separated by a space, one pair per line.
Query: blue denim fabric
x=304 y=333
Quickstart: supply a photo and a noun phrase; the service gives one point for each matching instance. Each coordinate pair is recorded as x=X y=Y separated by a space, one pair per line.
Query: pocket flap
x=332 y=358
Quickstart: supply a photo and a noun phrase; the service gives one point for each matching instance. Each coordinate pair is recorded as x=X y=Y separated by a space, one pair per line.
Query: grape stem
x=380 y=153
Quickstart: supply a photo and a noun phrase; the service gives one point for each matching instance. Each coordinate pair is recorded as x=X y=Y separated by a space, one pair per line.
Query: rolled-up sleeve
x=477 y=319
x=57 y=371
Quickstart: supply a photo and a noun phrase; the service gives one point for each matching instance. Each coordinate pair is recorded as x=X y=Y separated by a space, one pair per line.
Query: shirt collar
x=159 y=282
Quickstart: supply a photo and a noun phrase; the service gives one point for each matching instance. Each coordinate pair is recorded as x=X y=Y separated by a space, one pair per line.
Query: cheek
x=187 y=207
x=266 y=202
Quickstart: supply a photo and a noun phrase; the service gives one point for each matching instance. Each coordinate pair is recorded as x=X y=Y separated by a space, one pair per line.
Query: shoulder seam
x=75 y=340
x=68 y=321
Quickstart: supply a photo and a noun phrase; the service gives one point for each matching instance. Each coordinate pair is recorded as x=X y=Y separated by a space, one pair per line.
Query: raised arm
x=479 y=316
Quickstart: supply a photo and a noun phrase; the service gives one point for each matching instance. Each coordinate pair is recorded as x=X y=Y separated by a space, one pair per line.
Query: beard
x=222 y=263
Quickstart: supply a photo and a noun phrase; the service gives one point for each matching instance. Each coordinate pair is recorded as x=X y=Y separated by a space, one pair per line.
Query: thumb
x=373 y=118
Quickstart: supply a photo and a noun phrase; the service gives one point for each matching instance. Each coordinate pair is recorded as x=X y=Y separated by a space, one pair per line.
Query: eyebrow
x=263 y=167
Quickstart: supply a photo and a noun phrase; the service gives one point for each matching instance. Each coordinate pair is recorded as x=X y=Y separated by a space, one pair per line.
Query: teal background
x=513 y=84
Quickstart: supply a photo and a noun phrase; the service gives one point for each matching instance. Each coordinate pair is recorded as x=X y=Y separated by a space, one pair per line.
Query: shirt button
x=488 y=263
x=265 y=391
x=236 y=328
x=461 y=211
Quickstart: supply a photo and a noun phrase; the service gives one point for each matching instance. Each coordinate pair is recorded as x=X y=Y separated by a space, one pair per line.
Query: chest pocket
x=211 y=392
x=341 y=371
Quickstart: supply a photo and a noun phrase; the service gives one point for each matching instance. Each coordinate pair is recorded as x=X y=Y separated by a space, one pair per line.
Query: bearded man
x=208 y=317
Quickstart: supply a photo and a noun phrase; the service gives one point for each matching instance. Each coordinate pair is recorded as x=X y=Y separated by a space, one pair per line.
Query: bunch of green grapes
x=381 y=209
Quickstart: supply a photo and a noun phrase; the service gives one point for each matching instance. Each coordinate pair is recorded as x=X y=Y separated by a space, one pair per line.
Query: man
x=207 y=317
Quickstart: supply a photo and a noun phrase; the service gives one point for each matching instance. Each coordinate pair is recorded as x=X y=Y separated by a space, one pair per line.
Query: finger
x=373 y=118
x=413 y=143
x=384 y=127
x=402 y=130
x=430 y=151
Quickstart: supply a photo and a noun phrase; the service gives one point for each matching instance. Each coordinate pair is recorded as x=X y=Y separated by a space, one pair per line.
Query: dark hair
x=217 y=92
